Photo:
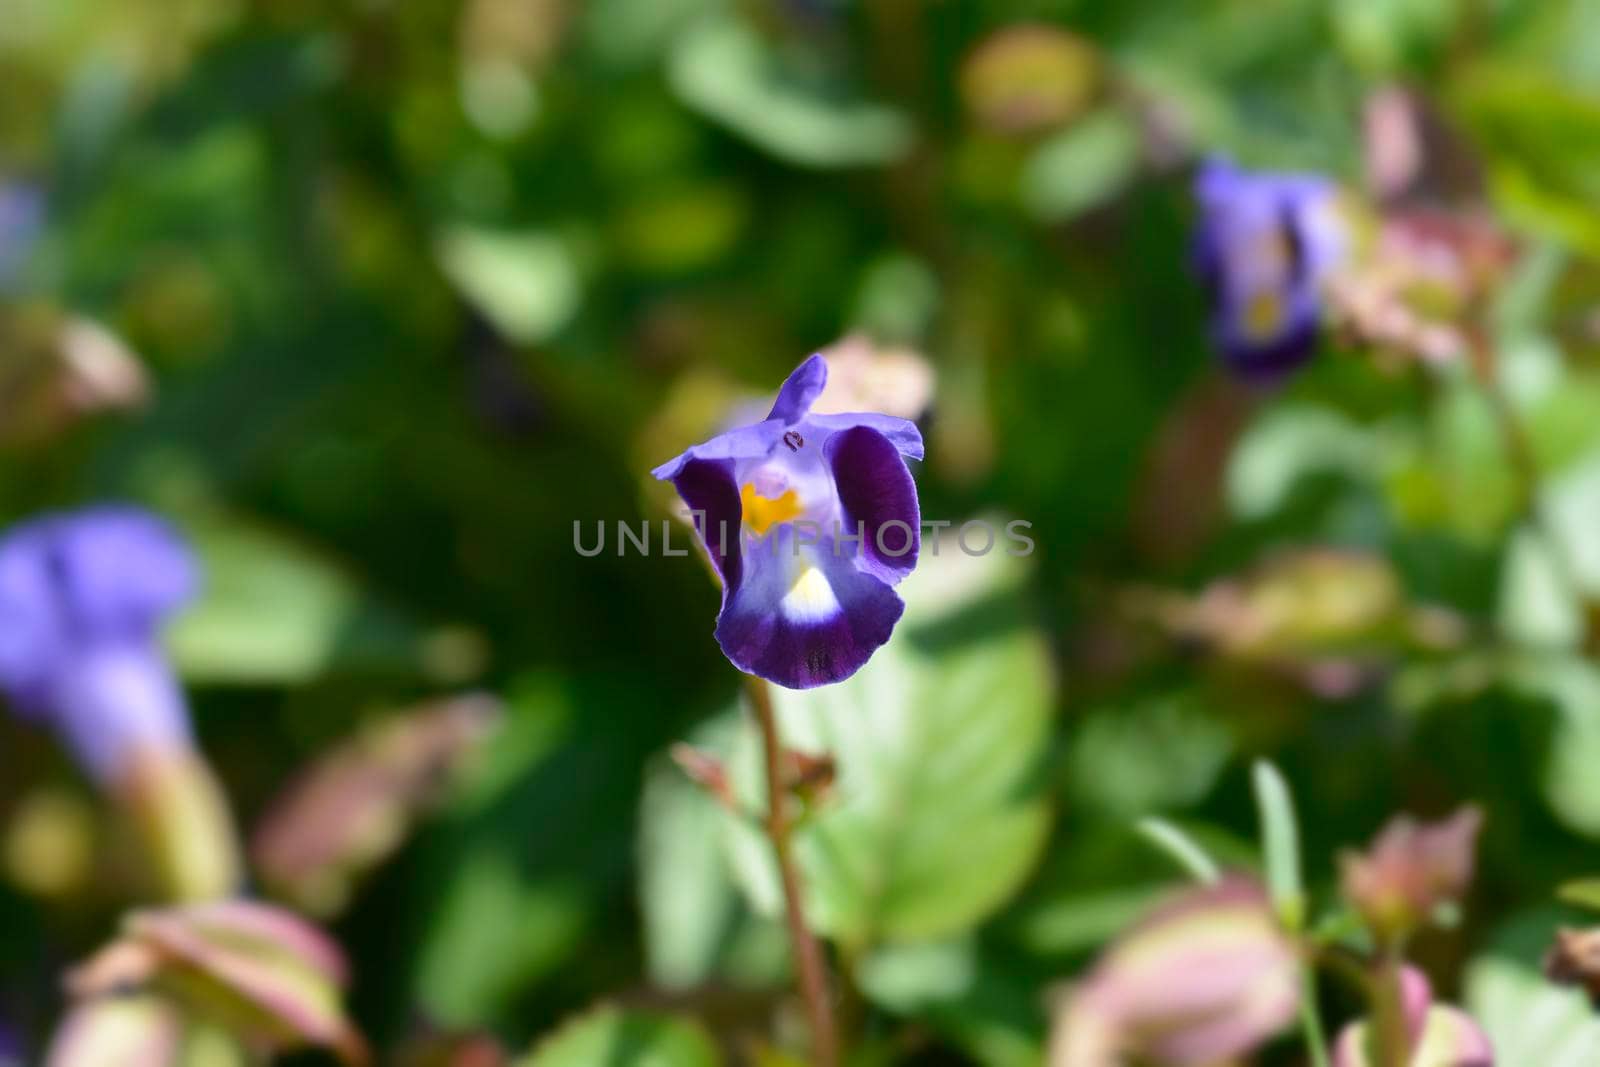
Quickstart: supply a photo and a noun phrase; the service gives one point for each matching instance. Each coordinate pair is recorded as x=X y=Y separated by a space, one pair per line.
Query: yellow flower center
x=761 y=512
x=1263 y=315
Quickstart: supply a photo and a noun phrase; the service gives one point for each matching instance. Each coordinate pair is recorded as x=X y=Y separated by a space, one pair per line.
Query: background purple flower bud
x=82 y=600
x=1265 y=246
x=805 y=602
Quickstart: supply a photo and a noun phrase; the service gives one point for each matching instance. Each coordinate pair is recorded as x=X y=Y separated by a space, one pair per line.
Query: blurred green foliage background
x=417 y=285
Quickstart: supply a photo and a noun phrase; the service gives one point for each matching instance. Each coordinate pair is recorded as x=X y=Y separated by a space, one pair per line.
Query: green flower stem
x=813 y=970
x=1389 y=1015
x=1311 y=1027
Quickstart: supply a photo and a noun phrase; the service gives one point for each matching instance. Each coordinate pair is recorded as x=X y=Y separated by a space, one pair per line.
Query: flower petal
x=121 y=570
x=879 y=498
x=903 y=433
x=746 y=442
x=708 y=487
x=800 y=391
x=804 y=615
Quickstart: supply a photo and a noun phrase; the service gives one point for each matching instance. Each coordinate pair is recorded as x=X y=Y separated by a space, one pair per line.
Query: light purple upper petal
x=902 y=433
x=746 y=442
x=800 y=390
x=121 y=571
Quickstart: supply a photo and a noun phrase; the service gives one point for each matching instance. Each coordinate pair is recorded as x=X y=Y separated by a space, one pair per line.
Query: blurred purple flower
x=780 y=505
x=1440 y=1035
x=82 y=597
x=21 y=218
x=1265 y=247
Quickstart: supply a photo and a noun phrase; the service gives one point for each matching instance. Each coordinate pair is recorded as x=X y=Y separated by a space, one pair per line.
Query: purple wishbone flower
x=1265 y=246
x=82 y=598
x=810 y=520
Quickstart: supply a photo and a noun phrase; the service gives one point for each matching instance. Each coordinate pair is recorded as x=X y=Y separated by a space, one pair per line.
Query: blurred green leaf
x=273 y=611
x=1082 y=167
x=496 y=931
x=938 y=812
x=612 y=1037
x=697 y=926
x=526 y=283
x=722 y=69
x=1290 y=444
x=1568 y=779
x=1280 y=843
x=1184 y=850
x=952 y=987
x=1528 y=1019
x=1537 y=132
x=1155 y=754
x=1538 y=606
x=1582 y=893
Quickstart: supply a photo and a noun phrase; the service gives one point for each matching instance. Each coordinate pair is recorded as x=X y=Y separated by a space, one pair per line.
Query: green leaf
x=611 y=1037
x=1082 y=167
x=697 y=926
x=1581 y=893
x=273 y=611
x=1280 y=843
x=1288 y=445
x=1153 y=754
x=526 y=283
x=938 y=812
x=496 y=931
x=1572 y=685
x=1184 y=850
x=1528 y=1019
x=983 y=1008
x=722 y=69
x=1537 y=133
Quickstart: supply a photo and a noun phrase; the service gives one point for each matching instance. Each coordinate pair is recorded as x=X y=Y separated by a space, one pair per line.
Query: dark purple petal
x=1267 y=364
x=879 y=499
x=800 y=391
x=804 y=620
x=746 y=442
x=708 y=487
x=902 y=433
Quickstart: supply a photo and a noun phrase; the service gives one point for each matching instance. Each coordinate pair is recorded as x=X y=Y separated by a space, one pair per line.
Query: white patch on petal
x=810 y=598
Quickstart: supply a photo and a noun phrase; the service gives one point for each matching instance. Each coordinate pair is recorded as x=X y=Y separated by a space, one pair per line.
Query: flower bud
x=1205 y=978
x=1439 y=1035
x=353 y=806
x=271 y=980
x=1412 y=870
x=131 y=1031
x=182 y=821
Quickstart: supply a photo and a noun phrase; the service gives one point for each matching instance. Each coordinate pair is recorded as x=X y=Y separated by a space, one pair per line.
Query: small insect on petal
x=794 y=441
